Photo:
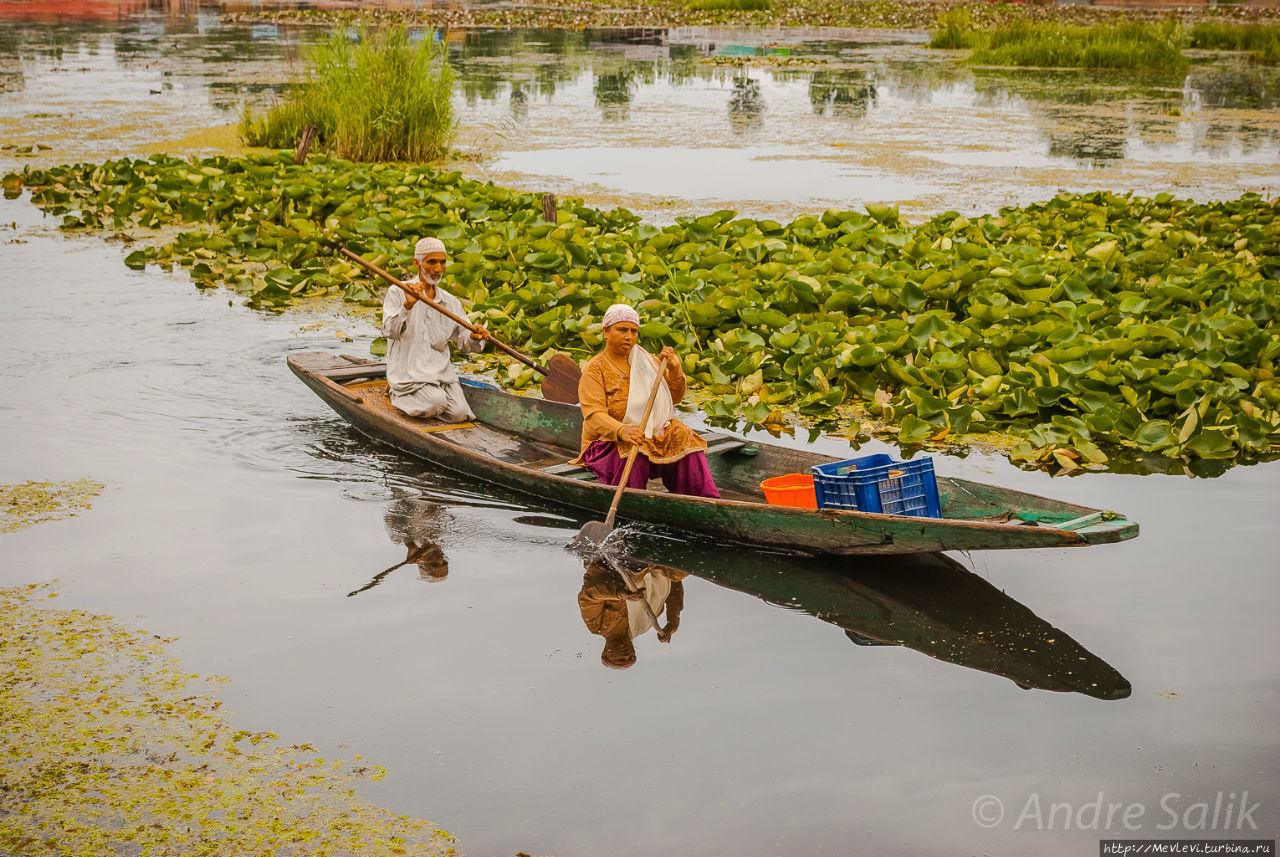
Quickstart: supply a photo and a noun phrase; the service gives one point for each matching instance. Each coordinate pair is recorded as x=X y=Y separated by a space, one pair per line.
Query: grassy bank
x=1083 y=326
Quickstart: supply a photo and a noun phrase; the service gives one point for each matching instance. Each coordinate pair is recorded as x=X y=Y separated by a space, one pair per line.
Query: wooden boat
x=526 y=443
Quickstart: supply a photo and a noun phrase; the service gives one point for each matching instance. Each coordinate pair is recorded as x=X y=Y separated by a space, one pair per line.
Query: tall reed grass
x=1134 y=44
x=955 y=30
x=383 y=97
x=1262 y=41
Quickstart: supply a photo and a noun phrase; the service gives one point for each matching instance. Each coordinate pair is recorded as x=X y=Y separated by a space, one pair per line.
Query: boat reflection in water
x=418 y=524
x=926 y=602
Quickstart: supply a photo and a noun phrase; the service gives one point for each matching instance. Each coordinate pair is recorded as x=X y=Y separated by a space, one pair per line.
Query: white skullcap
x=427 y=246
x=620 y=312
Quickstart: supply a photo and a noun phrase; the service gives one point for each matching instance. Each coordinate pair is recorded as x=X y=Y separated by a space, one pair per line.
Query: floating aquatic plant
x=31 y=503
x=1081 y=325
x=110 y=748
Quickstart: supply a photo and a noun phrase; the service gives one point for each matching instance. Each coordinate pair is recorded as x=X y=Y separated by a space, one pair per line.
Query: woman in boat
x=613 y=390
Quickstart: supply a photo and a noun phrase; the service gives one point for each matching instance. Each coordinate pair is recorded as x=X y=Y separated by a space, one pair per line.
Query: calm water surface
x=242 y=516
x=828 y=707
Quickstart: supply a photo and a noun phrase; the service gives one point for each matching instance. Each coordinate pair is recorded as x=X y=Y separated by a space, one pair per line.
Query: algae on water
x=109 y=750
x=31 y=503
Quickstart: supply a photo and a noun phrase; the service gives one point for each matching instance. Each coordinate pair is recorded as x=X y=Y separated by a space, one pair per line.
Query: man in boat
x=613 y=391
x=612 y=610
x=419 y=368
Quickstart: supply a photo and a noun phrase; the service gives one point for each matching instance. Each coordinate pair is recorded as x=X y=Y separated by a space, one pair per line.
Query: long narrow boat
x=526 y=443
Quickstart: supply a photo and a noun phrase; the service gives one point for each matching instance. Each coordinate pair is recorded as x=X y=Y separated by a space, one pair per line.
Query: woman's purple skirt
x=689 y=475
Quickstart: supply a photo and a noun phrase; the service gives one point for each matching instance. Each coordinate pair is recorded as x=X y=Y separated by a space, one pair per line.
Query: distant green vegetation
x=378 y=98
x=1262 y=41
x=739 y=5
x=1131 y=44
x=1081 y=326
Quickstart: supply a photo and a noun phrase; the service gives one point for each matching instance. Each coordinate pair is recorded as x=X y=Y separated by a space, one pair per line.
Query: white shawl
x=644 y=368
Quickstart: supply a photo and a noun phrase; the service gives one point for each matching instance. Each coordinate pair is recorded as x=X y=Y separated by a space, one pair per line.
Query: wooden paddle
x=562 y=373
x=595 y=532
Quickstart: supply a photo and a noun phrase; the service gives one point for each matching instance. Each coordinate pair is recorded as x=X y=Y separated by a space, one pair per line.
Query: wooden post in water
x=549 y=207
x=304 y=145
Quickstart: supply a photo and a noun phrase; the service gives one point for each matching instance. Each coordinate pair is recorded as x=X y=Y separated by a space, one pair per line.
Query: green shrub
x=381 y=98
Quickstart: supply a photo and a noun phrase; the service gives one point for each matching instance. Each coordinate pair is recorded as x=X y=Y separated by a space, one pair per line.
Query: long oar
x=561 y=383
x=595 y=532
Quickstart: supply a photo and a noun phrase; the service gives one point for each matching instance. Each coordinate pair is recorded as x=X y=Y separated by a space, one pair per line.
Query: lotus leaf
x=1119 y=312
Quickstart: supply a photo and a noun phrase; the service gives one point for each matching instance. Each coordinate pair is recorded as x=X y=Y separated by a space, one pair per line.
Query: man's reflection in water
x=418 y=524
x=612 y=610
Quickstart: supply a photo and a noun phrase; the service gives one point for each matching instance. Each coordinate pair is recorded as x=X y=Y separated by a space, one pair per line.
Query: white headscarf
x=619 y=312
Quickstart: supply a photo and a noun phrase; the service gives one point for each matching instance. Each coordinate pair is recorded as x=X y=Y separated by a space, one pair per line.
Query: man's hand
x=409 y=298
x=481 y=333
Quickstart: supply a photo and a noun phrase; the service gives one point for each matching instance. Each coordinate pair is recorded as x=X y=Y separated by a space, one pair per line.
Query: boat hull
x=538 y=430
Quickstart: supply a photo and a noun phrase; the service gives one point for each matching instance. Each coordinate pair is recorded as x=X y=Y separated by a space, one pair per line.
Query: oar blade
x=564 y=365
x=593 y=535
x=556 y=388
x=561 y=382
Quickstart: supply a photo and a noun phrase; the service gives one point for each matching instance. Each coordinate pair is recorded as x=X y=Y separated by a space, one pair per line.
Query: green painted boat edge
x=825 y=531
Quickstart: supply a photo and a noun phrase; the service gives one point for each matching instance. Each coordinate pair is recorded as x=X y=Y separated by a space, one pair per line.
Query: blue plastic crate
x=866 y=484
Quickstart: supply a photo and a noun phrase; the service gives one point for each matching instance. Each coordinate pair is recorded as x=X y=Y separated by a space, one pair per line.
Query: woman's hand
x=668 y=357
x=631 y=434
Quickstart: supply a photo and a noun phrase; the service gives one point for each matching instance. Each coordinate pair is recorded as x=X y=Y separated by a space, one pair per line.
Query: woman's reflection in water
x=418 y=524
x=611 y=609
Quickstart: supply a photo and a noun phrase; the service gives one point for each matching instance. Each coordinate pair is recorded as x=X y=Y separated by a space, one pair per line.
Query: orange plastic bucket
x=791 y=489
